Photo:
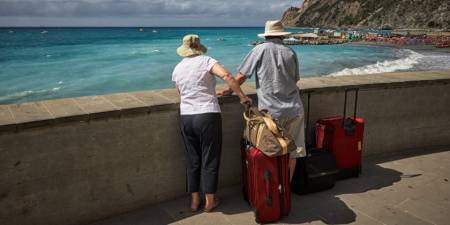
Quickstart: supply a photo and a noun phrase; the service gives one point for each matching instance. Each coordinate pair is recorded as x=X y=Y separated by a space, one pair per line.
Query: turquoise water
x=47 y=63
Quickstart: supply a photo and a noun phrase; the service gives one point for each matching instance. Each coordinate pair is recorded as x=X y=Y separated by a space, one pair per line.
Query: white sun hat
x=274 y=28
x=191 y=46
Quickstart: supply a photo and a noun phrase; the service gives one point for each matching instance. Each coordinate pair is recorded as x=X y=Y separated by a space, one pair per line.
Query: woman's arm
x=223 y=73
x=240 y=78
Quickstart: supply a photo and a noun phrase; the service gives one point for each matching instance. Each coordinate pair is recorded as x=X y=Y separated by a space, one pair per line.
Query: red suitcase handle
x=345 y=104
x=349 y=124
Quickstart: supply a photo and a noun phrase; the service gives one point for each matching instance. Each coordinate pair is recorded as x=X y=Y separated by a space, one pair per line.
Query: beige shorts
x=296 y=128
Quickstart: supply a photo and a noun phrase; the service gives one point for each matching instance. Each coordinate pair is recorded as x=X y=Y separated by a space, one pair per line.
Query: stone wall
x=73 y=161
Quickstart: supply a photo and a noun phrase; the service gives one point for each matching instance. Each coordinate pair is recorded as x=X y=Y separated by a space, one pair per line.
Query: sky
x=141 y=12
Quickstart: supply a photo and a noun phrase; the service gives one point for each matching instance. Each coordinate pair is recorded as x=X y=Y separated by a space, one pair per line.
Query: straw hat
x=274 y=28
x=191 y=46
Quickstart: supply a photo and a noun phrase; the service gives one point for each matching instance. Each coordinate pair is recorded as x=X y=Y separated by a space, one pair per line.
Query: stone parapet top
x=17 y=117
x=383 y=80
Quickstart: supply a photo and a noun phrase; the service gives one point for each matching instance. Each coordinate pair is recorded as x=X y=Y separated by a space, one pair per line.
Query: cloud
x=99 y=8
x=140 y=12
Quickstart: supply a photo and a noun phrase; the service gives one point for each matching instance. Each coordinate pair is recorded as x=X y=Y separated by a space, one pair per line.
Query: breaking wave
x=410 y=59
x=16 y=97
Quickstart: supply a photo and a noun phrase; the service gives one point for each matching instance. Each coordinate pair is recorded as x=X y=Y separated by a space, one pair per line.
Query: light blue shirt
x=276 y=71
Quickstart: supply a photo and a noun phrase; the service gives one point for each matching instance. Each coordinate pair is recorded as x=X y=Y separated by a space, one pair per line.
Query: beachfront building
x=307 y=38
x=292 y=41
x=328 y=37
x=439 y=39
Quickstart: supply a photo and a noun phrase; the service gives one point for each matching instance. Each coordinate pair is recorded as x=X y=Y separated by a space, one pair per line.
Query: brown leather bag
x=264 y=133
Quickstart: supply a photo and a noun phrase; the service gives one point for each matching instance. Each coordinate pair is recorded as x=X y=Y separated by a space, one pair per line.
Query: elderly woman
x=201 y=122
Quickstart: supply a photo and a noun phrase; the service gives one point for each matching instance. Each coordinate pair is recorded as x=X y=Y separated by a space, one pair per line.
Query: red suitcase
x=343 y=137
x=266 y=184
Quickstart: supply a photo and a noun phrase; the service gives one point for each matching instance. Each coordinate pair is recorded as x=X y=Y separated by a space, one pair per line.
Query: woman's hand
x=225 y=92
x=245 y=100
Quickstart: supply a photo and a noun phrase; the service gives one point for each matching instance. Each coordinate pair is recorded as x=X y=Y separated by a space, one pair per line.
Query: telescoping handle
x=355 y=105
x=307 y=118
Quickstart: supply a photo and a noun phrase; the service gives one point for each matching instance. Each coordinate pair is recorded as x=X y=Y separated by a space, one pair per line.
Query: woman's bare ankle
x=195 y=200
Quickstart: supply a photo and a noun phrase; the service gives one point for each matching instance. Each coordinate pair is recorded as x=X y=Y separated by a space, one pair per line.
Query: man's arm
x=247 y=68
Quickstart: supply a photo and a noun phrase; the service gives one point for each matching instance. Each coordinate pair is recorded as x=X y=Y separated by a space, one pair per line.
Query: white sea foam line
x=23 y=94
x=385 y=66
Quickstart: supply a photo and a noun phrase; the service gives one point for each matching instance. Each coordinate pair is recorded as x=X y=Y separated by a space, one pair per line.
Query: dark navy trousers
x=202 y=136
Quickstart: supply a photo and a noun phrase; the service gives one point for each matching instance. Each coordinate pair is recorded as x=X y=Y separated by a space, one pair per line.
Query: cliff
x=370 y=14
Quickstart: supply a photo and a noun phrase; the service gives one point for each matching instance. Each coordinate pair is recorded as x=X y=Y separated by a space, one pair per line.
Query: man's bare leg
x=292 y=164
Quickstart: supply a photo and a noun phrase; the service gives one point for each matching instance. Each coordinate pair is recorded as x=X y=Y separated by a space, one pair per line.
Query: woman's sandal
x=216 y=204
x=194 y=210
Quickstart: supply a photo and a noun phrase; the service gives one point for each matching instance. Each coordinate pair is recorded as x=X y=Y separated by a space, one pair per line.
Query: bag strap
x=274 y=129
x=284 y=145
x=251 y=111
x=271 y=125
x=268 y=120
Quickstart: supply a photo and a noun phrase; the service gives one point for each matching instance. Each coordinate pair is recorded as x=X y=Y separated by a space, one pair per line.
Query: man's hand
x=225 y=92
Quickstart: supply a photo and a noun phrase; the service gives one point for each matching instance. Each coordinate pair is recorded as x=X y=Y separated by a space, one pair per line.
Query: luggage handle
x=307 y=118
x=345 y=105
x=269 y=194
x=350 y=130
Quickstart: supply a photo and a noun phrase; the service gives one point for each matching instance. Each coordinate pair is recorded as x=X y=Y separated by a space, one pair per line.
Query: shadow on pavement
x=328 y=208
x=324 y=206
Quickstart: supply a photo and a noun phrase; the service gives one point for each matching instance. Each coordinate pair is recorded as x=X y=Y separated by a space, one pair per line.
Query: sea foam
x=19 y=96
x=409 y=59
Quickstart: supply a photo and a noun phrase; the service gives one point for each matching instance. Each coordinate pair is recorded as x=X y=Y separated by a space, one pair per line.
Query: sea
x=49 y=63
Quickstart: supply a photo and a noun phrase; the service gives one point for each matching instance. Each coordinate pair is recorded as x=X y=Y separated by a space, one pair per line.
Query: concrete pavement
x=406 y=188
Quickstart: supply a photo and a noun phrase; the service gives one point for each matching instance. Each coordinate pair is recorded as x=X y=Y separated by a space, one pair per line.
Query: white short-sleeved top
x=197 y=85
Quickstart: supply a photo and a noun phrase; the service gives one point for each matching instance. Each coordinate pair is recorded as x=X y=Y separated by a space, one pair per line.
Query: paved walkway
x=402 y=189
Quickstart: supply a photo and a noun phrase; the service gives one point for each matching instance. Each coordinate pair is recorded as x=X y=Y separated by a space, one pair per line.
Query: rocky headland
x=409 y=14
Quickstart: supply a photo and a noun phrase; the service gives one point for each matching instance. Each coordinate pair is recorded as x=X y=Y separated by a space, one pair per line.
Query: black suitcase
x=315 y=172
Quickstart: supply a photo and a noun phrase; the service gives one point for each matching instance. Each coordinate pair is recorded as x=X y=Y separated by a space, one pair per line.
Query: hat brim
x=185 y=51
x=274 y=34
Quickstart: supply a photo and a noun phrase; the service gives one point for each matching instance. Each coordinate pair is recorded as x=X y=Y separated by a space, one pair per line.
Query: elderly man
x=276 y=71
